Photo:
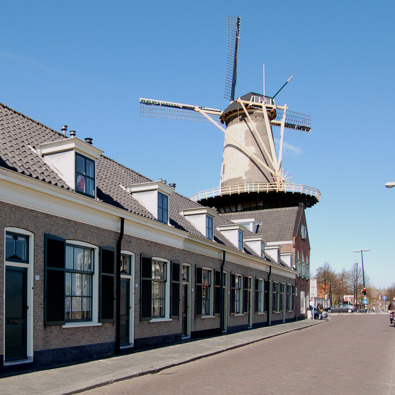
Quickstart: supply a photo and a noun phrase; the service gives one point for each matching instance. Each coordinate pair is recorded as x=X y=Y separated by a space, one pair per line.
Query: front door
x=125 y=311
x=15 y=313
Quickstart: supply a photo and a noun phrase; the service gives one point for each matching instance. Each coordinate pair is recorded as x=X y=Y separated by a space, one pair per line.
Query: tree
x=326 y=277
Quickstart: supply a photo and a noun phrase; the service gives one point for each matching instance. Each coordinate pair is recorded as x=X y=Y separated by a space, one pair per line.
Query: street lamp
x=363 y=272
x=390 y=184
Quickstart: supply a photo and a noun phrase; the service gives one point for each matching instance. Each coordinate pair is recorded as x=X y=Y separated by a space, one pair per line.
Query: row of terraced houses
x=98 y=260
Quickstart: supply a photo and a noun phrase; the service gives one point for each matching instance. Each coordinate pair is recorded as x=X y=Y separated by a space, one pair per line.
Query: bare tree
x=326 y=277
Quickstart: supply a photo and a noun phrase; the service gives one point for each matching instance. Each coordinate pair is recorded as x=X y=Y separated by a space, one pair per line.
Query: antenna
x=289 y=79
x=233 y=35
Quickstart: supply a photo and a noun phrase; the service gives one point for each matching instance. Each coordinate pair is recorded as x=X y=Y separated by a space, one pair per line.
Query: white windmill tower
x=251 y=176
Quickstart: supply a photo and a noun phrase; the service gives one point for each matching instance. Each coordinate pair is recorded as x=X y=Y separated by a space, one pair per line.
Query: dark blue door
x=15 y=314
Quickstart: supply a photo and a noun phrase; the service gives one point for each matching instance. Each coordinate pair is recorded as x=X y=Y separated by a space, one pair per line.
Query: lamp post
x=363 y=272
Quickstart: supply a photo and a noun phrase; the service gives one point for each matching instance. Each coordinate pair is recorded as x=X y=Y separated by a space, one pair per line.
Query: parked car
x=342 y=308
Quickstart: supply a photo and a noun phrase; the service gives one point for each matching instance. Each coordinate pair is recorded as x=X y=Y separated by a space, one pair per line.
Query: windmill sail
x=233 y=35
x=185 y=112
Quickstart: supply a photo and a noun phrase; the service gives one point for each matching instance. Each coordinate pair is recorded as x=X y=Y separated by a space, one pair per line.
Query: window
x=204 y=291
x=78 y=288
x=159 y=279
x=276 y=296
x=163 y=208
x=207 y=292
x=282 y=296
x=75 y=289
x=262 y=249
x=289 y=298
x=238 y=294
x=126 y=265
x=160 y=288
x=240 y=238
x=17 y=247
x=209 y=227
x=85 y=175
x=259 y=295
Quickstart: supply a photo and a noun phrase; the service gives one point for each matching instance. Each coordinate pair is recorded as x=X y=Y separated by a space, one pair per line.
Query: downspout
x=269 y=313
x=222 y=315
x=118 y=290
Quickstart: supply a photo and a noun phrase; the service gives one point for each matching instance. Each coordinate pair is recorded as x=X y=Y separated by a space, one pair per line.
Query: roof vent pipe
x=64 y=130
x=172 y=185
x=72 y=133
x=88 y=140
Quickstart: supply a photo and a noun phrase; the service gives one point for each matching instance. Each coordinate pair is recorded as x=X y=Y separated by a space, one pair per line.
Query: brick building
x=98 y=260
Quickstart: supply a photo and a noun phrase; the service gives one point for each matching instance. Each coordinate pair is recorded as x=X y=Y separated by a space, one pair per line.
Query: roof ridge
x=30 y=119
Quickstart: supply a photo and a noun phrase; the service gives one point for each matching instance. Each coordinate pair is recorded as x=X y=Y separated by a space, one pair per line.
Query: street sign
x=365 y=301
x=385 y=298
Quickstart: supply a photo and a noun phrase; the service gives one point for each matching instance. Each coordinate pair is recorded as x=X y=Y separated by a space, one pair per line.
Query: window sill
x=239 y=315
x=207 y=316
x=80 y=324
x=161 y=320
x=261 y=313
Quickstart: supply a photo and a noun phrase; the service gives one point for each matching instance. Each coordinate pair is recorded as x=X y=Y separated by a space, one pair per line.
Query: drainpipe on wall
x=118 y=290
x=222 y=318
x=269 y=313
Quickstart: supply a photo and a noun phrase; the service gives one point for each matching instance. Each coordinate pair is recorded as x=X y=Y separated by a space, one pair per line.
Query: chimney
x=72 y=133
x=173 y=185
x=88 y=140
x=64 y=130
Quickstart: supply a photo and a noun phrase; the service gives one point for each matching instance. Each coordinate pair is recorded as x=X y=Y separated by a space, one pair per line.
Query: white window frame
x=95 y=287
x=261 y=296
x=167 y=291
x=210 y=290
x=239 y=291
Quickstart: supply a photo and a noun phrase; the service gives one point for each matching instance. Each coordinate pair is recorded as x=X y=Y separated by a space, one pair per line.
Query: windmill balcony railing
x=256 y=187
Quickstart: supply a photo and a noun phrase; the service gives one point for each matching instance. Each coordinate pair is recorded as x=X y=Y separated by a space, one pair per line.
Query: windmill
x=251 y=164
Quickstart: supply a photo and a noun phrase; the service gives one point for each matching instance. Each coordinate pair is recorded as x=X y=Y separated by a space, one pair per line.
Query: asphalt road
x=351 y=354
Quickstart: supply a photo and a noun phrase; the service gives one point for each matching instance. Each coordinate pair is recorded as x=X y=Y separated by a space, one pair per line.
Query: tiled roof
x=277 y=224
x=20 y=137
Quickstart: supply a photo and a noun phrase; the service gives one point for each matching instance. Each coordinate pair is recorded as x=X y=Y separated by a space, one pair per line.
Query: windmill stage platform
x=257 y=196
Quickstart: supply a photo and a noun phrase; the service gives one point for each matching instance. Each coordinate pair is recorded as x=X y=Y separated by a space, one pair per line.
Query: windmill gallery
x=99 y=260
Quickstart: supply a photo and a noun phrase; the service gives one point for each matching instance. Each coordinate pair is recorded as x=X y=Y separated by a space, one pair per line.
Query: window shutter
x=146 y=288
x=266 y=297
x=107 y=284
x=217 y=293
x=232 y=292
x=55 y=249
x=199 y=290
x=175 y=290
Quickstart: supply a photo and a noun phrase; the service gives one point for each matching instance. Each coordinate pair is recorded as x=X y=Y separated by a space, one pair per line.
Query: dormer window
x=85 y=175
x=256 y=244
x=241 y=240
x=154 y=196
x=74 y=161
x=209 y=227
x=235 y=234
x=163 y=208
x=202 y=218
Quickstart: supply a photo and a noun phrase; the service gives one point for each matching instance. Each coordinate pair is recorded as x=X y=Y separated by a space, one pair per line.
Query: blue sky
x=86 y=64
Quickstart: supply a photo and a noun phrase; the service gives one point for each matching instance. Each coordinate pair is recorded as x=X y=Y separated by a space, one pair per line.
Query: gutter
x=269 y=313
x=118 y=290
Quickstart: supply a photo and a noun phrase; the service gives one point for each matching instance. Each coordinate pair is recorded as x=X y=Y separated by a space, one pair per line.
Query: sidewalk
x=76 y=378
